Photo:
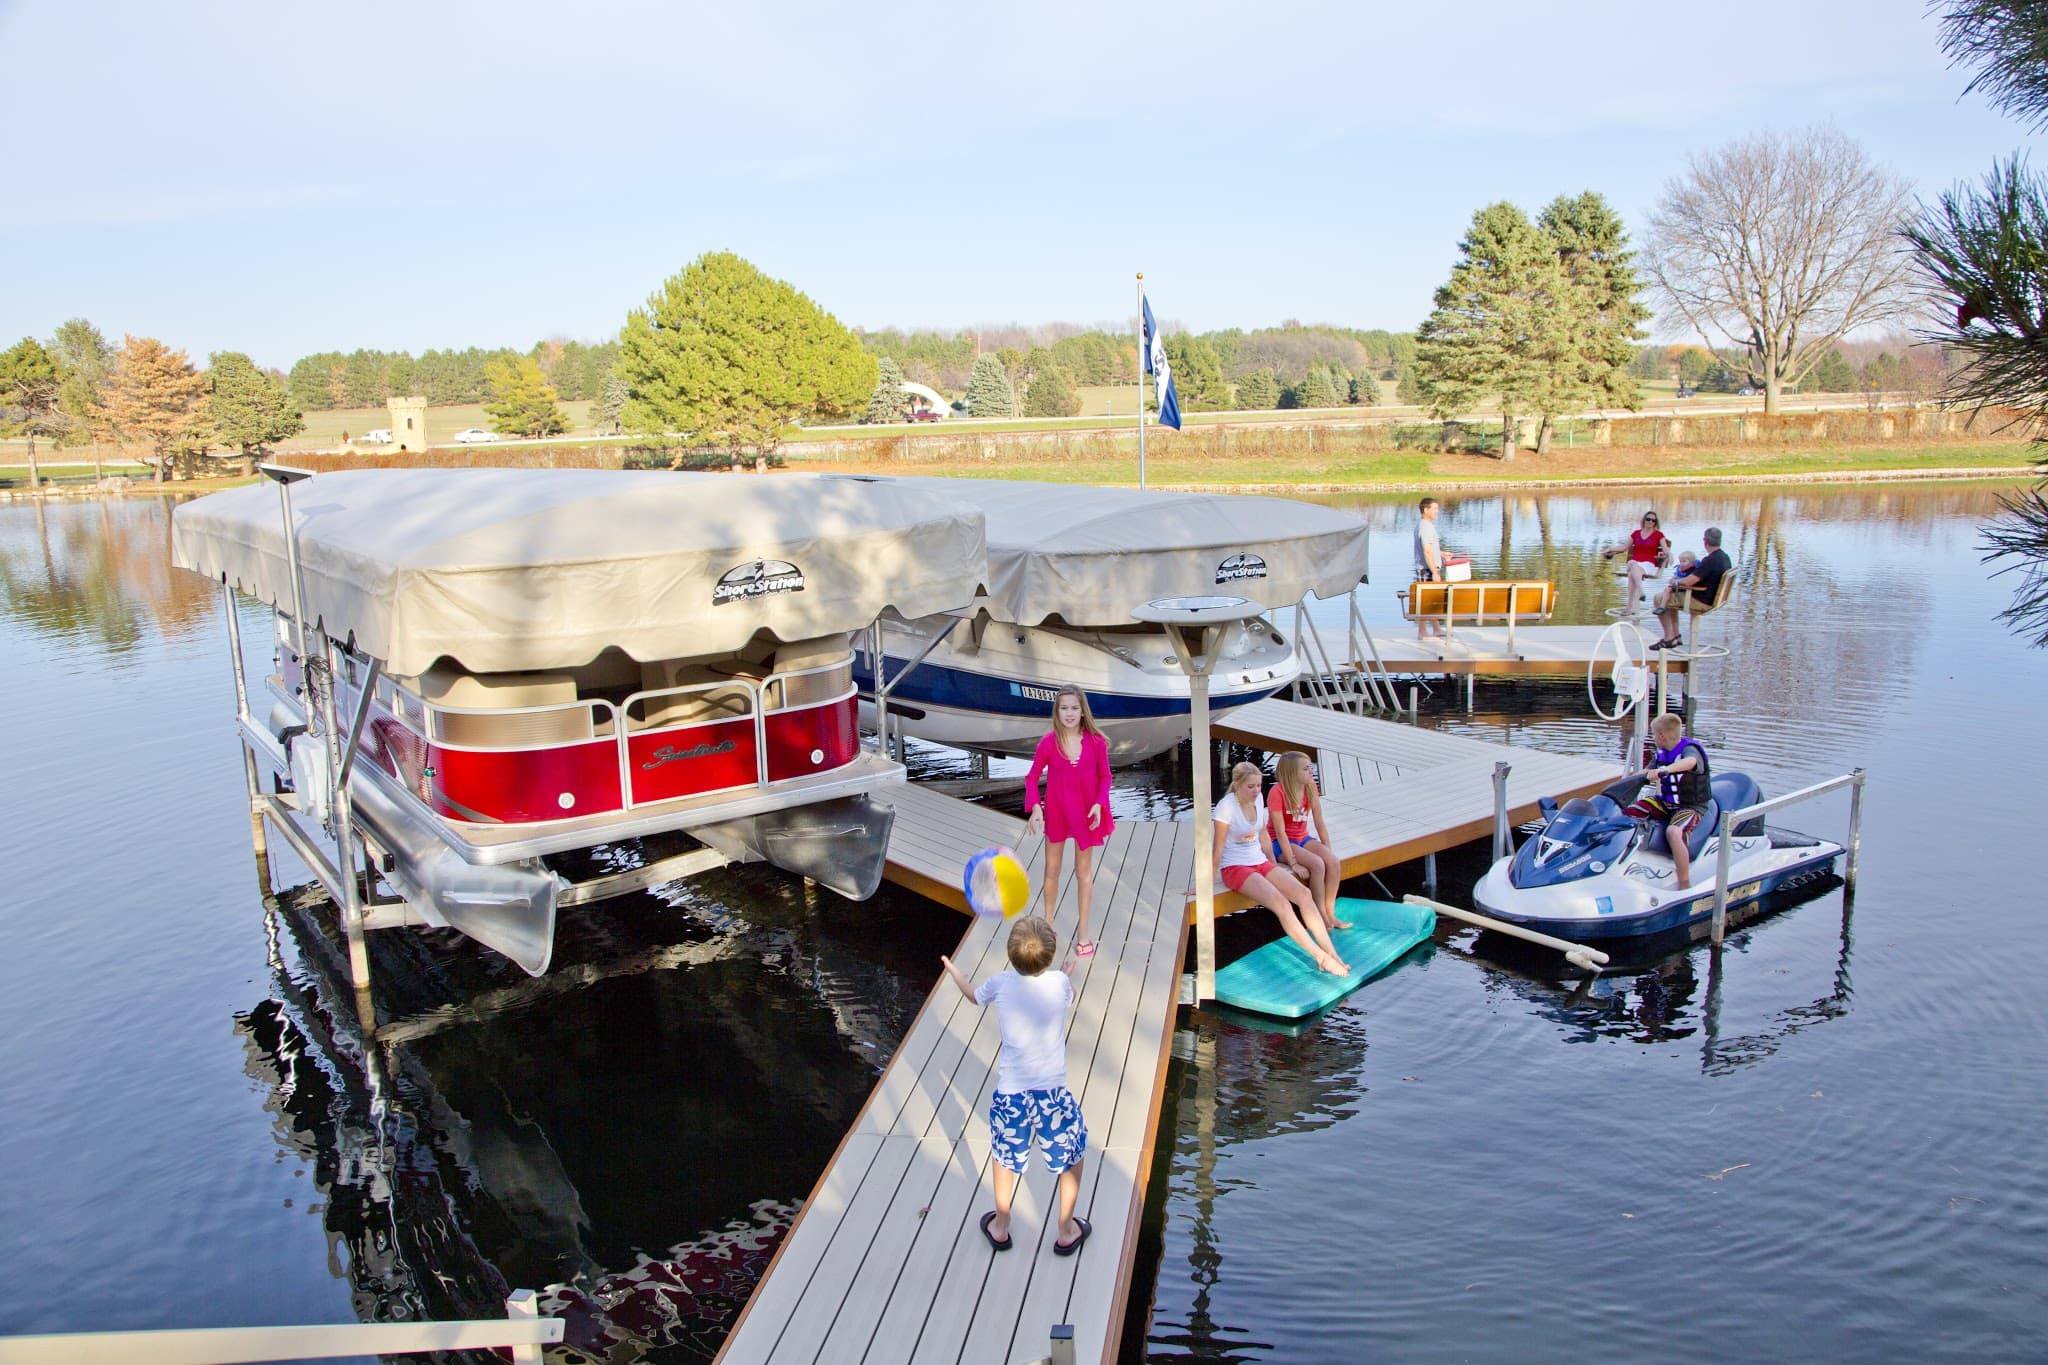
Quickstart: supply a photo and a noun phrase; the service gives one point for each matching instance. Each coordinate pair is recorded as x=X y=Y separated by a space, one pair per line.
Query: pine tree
x=724 y=352
x=1316 y=389
x=156 y=399
x=1833 y=374
x=1494 y=327
x=1599 y=314
x=1365 y=390
x=1051 y=393
x=888 y=402
x=250 y=409
x=611 y=401
x=522 y=401
x=988 y=389
x=1258 y=391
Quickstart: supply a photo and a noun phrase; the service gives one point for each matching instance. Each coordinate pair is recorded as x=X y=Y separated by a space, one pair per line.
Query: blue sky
x=282 y=178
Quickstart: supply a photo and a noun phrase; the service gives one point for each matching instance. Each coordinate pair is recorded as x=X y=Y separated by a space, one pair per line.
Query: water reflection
x=99 y=572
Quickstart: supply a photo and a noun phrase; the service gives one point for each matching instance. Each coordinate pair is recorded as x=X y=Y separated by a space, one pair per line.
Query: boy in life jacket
x=1684 y=787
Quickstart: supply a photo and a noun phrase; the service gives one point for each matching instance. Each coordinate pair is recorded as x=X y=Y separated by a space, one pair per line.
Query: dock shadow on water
x=1809 y=1144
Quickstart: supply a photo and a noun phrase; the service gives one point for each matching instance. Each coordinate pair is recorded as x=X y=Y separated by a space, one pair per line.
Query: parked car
x=471 y=435
x=922 y=415
x=1748 y=391
x=380 y=437
x=1682 y=393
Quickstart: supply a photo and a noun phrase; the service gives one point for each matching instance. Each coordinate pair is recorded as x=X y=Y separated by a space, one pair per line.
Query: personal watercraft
x=1592 y=872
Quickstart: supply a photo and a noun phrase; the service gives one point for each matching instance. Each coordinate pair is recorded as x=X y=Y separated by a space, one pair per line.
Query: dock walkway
x=1537 y=651
x=887 y=1261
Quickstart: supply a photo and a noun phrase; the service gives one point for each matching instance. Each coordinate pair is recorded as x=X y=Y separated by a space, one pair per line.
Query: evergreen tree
x=1051 y=394
x=1258 y=391
x=523 y=403
x=1197 y=373
x=1833 y=374
x=1365 y=390
x=988 y=389
x=1494 y=327
x=250 y=409
x=1600 y=314
x=1316 y=389
x=156 y=399
x=724 y=352
x=889 y=402
x=611 y=401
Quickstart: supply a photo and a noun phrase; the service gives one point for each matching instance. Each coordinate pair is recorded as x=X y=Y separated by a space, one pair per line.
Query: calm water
x=1822 y=1145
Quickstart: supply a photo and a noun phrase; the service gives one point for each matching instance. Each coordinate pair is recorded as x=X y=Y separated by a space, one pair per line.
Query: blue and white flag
x=1156 y=366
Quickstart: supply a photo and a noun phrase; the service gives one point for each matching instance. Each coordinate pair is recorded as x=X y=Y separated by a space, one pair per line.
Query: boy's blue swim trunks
x=1052 y=1117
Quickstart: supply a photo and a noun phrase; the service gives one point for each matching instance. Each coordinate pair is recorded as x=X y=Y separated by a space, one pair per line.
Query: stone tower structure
x=408 y=423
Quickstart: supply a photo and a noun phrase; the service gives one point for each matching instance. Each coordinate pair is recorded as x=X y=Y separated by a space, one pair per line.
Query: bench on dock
x=1509 y=602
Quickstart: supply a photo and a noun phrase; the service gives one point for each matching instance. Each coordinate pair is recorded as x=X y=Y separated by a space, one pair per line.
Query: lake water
x=1816 y=1145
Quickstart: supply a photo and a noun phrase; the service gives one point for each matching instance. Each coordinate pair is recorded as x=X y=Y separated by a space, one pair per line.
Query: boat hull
x=1640 y=898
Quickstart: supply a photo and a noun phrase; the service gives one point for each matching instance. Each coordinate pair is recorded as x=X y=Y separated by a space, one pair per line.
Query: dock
x=1489 y=651
x=886 y=1261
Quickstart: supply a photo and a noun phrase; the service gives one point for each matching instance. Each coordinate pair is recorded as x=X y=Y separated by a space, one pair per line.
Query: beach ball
x=996 y=884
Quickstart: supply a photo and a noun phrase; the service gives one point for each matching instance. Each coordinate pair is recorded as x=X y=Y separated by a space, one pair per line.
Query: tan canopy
x=505 y=570
x=1089 y=555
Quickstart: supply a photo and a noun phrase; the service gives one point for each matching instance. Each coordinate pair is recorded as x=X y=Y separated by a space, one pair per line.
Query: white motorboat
x=480 y=669
x=1067 y=565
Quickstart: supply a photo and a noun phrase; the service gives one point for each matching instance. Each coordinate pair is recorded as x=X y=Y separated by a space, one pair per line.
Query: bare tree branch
x=1780 y=244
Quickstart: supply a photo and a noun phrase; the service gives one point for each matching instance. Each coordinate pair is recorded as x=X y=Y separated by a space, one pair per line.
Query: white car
x=380 y=437
x=471 y=435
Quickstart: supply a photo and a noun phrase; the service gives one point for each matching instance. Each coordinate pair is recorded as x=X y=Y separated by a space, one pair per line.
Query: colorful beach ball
x=996 y=884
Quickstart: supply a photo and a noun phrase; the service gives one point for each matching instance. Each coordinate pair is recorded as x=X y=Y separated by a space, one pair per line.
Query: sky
x=284 y=178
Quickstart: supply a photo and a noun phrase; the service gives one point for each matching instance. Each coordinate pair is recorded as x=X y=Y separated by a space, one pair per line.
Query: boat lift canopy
x=1087 y=555
x=508 y=570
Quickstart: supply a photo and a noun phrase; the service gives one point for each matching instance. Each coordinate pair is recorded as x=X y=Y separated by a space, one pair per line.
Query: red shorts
x=1236 y=877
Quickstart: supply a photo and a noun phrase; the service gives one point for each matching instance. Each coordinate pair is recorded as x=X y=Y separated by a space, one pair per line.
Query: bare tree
x=1780 y=244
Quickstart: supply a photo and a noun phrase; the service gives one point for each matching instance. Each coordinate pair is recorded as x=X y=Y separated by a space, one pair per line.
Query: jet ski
x=1593 y=872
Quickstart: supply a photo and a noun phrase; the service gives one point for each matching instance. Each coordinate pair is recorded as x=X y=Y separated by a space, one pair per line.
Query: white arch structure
x=943 y=407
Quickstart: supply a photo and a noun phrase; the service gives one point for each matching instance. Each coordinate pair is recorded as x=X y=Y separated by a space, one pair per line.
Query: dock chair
x=1695 y=609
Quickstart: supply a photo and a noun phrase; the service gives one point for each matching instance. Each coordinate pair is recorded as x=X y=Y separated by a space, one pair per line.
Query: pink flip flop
x=1084 y=949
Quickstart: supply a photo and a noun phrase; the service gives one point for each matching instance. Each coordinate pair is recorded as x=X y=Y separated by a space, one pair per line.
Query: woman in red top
x=1073 y=758
x=1648 y=549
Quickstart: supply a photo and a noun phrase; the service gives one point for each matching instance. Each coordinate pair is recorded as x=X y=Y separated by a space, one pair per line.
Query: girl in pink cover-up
x=1074 y=760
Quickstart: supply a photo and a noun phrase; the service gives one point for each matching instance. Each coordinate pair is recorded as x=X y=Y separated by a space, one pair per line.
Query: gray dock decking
x=887 y=1261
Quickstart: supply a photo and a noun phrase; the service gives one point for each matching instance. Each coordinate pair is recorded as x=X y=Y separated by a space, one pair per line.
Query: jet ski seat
x=1657 y=840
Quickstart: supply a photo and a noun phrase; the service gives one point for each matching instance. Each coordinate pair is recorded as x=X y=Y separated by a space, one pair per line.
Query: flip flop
x=1060 y=1248
x=1085 y=949
x=986 y=1219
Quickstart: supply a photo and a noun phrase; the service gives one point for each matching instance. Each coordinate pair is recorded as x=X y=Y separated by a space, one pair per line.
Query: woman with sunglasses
x=1648 y=550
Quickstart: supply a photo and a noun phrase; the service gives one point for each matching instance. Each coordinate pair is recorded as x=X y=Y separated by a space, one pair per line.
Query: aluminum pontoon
x=479 y=670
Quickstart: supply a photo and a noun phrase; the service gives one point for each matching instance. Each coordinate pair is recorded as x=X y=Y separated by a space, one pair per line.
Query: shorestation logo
x=1239 y=567
x=668 y=753
x=757 y=579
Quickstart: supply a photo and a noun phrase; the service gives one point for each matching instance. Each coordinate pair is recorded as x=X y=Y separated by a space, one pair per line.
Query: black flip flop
x=1060 y=1248
x=1005 y=1244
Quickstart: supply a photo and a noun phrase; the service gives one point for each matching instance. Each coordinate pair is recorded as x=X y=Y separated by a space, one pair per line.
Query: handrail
x=1384 y=696
x=1723 y=836
x=1578 y=954
x=521 y=1329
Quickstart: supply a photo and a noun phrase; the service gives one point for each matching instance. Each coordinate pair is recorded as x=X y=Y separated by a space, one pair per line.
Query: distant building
x=409 y=422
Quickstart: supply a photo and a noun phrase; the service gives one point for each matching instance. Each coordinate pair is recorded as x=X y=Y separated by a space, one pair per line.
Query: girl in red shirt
x=1648 y=549
x=1292 y=804
x=1073 y=758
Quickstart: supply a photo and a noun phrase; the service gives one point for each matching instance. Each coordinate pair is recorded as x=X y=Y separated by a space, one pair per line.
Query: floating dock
x=887 y=1261
x=1487 y=651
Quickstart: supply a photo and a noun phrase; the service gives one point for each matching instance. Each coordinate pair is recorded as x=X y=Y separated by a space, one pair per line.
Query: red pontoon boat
x=498 y=666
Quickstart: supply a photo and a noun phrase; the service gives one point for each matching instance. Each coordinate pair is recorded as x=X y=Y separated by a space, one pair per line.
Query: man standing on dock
x=1429 y=561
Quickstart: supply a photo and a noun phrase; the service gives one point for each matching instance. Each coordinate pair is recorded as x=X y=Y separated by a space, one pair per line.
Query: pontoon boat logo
x=757 y=579
x=1240 y=566
x=668 y=753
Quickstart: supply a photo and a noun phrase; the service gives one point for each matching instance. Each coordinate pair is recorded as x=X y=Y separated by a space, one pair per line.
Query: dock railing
x=1730 y=820
x=522 y=1330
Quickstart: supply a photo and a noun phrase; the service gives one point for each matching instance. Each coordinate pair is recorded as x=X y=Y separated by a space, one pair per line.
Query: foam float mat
x=1280 y=980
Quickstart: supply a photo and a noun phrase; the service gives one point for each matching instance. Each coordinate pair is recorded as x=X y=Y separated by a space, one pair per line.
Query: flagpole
x=1141 y=379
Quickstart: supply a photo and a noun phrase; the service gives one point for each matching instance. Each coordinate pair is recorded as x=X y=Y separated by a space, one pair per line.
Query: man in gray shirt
x=1429 y=560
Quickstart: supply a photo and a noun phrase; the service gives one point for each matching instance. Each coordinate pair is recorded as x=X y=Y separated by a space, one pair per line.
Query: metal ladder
x=1355 y=685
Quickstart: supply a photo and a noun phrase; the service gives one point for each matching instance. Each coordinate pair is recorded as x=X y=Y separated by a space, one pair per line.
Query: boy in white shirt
x=1031 y=1101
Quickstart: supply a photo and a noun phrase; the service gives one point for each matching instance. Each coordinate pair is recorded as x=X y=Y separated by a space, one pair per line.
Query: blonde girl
x=1292 y=805
x=1073 y=758
x=1241 y=861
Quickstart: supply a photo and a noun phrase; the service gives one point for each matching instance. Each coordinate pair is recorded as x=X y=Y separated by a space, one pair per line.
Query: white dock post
x=1503 y=842
x=1062 y=1344
x=1855 y=831
x=1195 y=626
x=523 y=1304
